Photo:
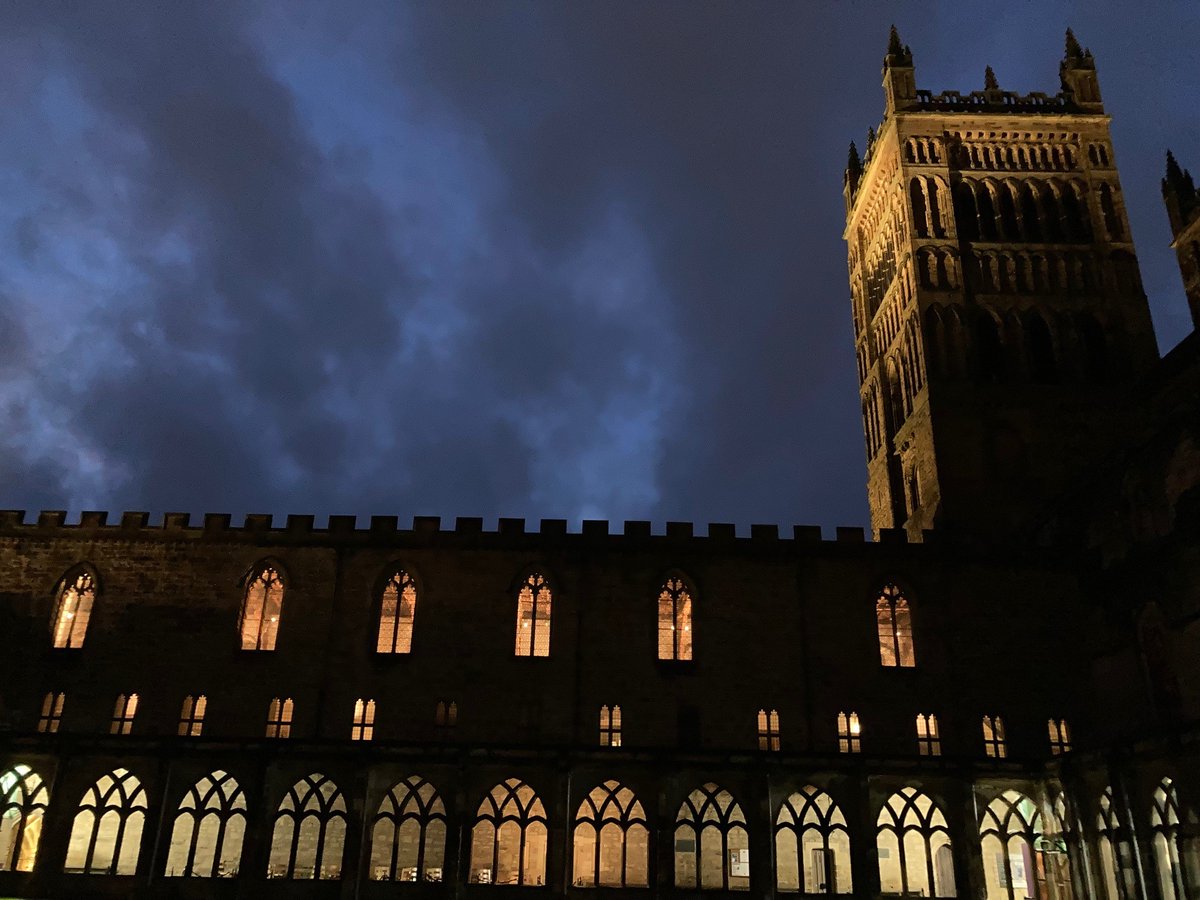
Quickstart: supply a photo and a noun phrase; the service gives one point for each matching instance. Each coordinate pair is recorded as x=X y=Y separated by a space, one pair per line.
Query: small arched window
x=914 y=847
x=768 y=729
x=929 y=739
x=1008 y=837
x=52 y=710
x=611 y=839
x=408 y=838
x=610 y=726
x=994 y=744
x=106 y=836
x=711 y=842
x=674 y=620
x=123 y=714
x=1165 y=825
x=508 y=840
x=812 y=845
x=894 y=621
x=363 y=726
x=445 y=718
x=397 y=612
x=849 y=733
x=310 y=831
x=23 y=802
x=1112 y=221
x=1060 y=736
x=73 y=609
x=533 y=616
x=262 y=608
x=206 y=841
x=279 y=718
x=191 y=716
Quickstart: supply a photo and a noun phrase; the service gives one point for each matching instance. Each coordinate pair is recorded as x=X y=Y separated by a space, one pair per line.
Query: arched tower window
x=1112 y=221
x=106 y=836
x=1042 y=364
x=408 y=838
x=1165 y=825
x=966 y=215
x=73 y=609
x=310 y=831
x=397 y=612
x=206 y=841
x=674 y=620
x=894 y=621
x=711 y=842
x=508 y=840
x=917 y=195
x=612 y=839
x=1008 y=837
x=23 y=802
x=262 y=608
x=812 y=845
x=533 y=616
x=914 y=847
x=989 y=348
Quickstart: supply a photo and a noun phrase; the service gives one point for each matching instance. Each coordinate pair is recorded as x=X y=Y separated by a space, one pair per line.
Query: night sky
x=533 y=259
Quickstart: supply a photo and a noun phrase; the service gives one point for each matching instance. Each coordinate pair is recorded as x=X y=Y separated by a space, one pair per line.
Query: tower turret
x=899 y=82
x=1077 y=71
x=1183 y=209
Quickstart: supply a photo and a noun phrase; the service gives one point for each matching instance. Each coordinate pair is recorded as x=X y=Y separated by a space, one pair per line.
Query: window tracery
x=397 y=614
x=210 y=826
x=73 y=609
x=894 y=621
x=1116 y=857
x=1008 y=837
x=23 y=801
x=508 y=840
x=1172 y=856
x=674 y=620
x=711 y=842
x=408 y=836
x=914 y=846
x=812 y=845
x=106 y=835
x=262 y=608
x=611 y=839
x=533 y=617
x=310 y=831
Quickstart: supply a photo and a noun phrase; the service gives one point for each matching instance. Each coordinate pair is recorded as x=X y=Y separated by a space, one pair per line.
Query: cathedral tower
x=998 y=308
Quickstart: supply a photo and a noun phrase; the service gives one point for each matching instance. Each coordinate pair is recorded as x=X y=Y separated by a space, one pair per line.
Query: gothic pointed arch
x=509 y=836
x=535 y=601
x=812 y=845
x=106 y=836
x=710 y=838
x=263 y=591
x=893 y=618
x=396 y=599
x=1114 y=854
x=24 y=797
x=74 y=598
x=915 y=855
x=611 y=838
x=408 y=834
x=1173 y=843
x=309 y=835
x=1008 y=835
x=676 y=635
x=210 y=825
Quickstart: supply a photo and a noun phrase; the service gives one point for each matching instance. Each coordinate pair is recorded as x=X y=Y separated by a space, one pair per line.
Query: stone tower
x=1183 y=208
x=998 y=309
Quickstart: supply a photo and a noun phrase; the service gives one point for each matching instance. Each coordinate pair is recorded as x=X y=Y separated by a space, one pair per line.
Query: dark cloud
x=477 y=259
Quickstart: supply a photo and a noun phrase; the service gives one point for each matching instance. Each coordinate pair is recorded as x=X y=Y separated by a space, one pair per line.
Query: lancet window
x=445 y=718
x=210 y=826
x=812 y=845
x=106 y=835
x=262 y=608
x=52 y=710
x=123 y=713
x=508 y=840
x=1173 y=855
x=279 y=718
x=849 y=733
x=611 y=839
x=191 y=716
x=768 y=729
x=994 y=743
x=610 y=726
x=1060 y=736
x=929 y=739
x=1116 y=856
x=23 y=801
x=1008 y=837
x=914 y=847
x=894 y=620
x=533 y=616
x=310 y=831
x=674 y=620
x=363 y=727
x=712 y=845
x=408 y=837
x=73 y=609
x=397 y=613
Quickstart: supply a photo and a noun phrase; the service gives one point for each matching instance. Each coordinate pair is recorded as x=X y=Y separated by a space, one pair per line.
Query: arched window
x=533 y=617
x=1042 y=364
x=52 y=710
x=917 y=195
x=106 y=836
x=279 y=718
x=849 y=733
x=508 y=841
x=1060 y=737
x=1008 y=836
x=445 y=718
x=674 y=620
x=812 y=845
x=987 y=213
x=123 y=713
x=310 y=831
x=397 y=611
x=1009 y=228
x=966 y=215
x=363 y=727
x=990 y=349
x=914 y=847
x=1029 y=214
x=23 y=801
x=929 y=739
x=711 y=842
x=1112 y=222
x=768 y=729
x=408 y=837
x=262 y=608
x=191 y=716
x=1165 y=825
x=1116 y=858
x=610 y=726
x=210 y=826
x=73 y=609
x=895 y=628
x=612 y=839
x=994 y=744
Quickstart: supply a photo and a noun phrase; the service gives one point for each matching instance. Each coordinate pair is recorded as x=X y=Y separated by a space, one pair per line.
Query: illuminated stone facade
x=993 y=695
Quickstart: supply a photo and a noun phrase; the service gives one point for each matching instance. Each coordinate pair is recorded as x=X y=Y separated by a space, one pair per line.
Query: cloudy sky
x=532 y=259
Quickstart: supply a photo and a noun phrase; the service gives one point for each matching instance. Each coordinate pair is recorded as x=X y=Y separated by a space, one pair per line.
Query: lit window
x=279 y=718
x=73 y=609
x=849 y=733
x=895 y=628
x=1009 y=837
x=23 y=801
x=310 y=831
x=408 y=837
x=123 y=713
x=533 y=617
x=206 y=841
x=261 y=610
x=929 y=742
x=674 y=620
x=913 y=843
x=610 y=726
x=993 y=737
x=712 y=846
x=52 y=710
x=363 y=728
x=508 y=840
x=397 y=611
x=768 y=730
x=445 y=718
x=612 y=839
x=106 y=836
x=1116 y=854
x=812 y=845
x=1060 y=737
x=191 y=717
x=1165 y=828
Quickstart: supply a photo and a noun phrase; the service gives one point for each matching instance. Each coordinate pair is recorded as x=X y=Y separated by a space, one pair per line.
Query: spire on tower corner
x=1074 y=51
x=898 y=54
x=989 y=80
x=853 y=164
x=895 y=48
